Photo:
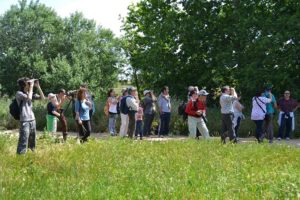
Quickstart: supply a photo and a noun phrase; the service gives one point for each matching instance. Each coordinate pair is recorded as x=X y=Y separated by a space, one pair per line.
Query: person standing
x=149 y=111
x=90 y=98
x=286 y=120
x=259 y=111
x=82 y=109
x=196 y=110
x=139 y=123
x=270 y=107
x=24 y=98
x=238 y=115
x=132 y=103
x=52 y=113
x=112 y=102
x=124 y=113
x=226 y=102
x=164 y=102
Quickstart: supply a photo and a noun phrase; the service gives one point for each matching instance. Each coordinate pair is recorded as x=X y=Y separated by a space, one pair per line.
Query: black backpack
x=181 y=110
x=15 y=109
x=124 y=109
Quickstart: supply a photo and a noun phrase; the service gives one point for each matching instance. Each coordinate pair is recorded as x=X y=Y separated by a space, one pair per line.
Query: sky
x=105 y=12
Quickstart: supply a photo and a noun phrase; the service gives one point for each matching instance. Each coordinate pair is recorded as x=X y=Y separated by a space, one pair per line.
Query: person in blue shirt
x=82 y=108
x=268 y=125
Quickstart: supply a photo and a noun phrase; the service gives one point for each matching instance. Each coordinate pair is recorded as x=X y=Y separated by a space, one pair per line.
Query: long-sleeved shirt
x=226 y=102
x=164 y=103
x=191 y=109
x=132 y=103
x=149 y=105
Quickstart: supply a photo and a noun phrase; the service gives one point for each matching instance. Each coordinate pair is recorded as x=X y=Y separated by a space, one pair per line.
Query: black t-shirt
x=50 y=108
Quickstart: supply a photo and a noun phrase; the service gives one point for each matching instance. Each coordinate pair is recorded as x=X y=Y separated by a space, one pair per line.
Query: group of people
x=137 y=115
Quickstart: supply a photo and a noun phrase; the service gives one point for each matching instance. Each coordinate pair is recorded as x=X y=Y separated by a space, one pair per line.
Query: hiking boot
x=279 y=138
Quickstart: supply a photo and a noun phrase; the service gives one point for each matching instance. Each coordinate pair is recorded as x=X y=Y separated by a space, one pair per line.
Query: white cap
x=146 y=92
x=203 y=93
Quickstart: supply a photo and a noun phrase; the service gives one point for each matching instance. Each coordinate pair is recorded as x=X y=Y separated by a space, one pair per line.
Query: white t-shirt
x=257 y=112
x=113 y=105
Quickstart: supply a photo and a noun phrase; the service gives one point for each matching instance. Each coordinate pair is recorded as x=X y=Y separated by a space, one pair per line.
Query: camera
x=72 y=94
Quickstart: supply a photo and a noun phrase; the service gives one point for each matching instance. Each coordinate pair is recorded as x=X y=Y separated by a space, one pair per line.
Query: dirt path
x=292 y=142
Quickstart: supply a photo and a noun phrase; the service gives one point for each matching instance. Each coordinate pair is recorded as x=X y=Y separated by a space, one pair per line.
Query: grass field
x=117 y=168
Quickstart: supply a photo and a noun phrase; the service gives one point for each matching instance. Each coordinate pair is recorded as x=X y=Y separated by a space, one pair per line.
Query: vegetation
x=213 y=43
x=124 y=169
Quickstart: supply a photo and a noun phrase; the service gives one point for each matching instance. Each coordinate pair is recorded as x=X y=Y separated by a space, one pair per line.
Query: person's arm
x=55 y=113
x=77 y=112
x=239 y=106
x=296 y=106
x=40 y=91
x=160 y=102
x=189 y=109
x=274 y=103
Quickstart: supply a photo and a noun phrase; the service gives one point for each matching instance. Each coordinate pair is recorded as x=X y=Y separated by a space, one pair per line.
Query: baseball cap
x=146 y=92
x=203 y=93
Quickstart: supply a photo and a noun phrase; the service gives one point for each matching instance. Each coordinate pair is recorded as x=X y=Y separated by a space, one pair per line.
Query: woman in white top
x=238 y=114
x=259 y=111
x=113 y=111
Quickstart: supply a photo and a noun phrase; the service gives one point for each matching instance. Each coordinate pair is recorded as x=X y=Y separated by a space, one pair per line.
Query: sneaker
x=279 y=138
x=287 y=138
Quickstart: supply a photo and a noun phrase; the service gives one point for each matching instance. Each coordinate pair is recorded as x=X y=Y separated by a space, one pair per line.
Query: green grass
x=117 y=168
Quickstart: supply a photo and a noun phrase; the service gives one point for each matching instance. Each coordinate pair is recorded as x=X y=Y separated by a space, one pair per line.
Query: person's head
x=52 y=97
x=23 y=84
x=287 y=94
x=84 y=86
x=147 y=93
x=269 y=88
x=225 y=89
x=61 y=92
x=81 y=94
x=132 y=91
x=202 y=95
x=259 y=92
x=111 y=93
x=165 y=90
x=193 y=94
x=124 y=92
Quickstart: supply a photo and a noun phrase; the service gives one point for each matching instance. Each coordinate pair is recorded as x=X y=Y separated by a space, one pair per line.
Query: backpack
x=181 y=110
x=123 y=106
x=15 y=109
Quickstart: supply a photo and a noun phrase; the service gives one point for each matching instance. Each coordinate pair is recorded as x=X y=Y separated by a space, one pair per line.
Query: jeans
x=268 y=127
x=148 y=123
x=259 y=129
x=84 y=130
x=164 y=123
x=227 y=125
x=131 y=125
x=139 y=128
x=27 y=137
x=197 y=123
x=124 y=125
x=112 y=123
x=286 y=123
x=237 y=126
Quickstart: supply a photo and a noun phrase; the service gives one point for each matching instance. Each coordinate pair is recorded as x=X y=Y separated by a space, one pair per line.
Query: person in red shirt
x=196 y=111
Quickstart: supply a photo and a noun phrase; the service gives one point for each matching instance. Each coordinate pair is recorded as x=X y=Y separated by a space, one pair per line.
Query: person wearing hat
x=149 y=111
x=52 y=113
x=132 y=103
x=270 y=108
x=123 y=113
x=196 y=110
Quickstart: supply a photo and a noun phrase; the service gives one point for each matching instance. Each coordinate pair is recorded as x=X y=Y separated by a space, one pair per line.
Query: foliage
x=246 y=44
x=62 y=53
x=182 y=169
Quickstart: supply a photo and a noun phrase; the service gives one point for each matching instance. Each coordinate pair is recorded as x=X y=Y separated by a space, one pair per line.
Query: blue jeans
x=139 y=128
x=259 y=129
x=236 y=128
x=112 y=123
x=286 y=123
x=27 y=137
x=164 y=123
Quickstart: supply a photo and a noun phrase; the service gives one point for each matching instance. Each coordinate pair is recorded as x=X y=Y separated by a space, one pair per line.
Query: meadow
x=115 y=168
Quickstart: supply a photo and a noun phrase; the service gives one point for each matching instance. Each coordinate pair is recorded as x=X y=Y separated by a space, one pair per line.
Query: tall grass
x=124 y=169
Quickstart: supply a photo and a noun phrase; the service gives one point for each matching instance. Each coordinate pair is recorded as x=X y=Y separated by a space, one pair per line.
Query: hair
x=80 y=94
x=61 y=91
x=84 y=85
x=109 y=92
x=22 y=83
x=164 y=88
x=258 y=92
x=225 y=88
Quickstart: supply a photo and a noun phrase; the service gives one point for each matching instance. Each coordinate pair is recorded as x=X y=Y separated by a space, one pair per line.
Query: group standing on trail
x=137 y=115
